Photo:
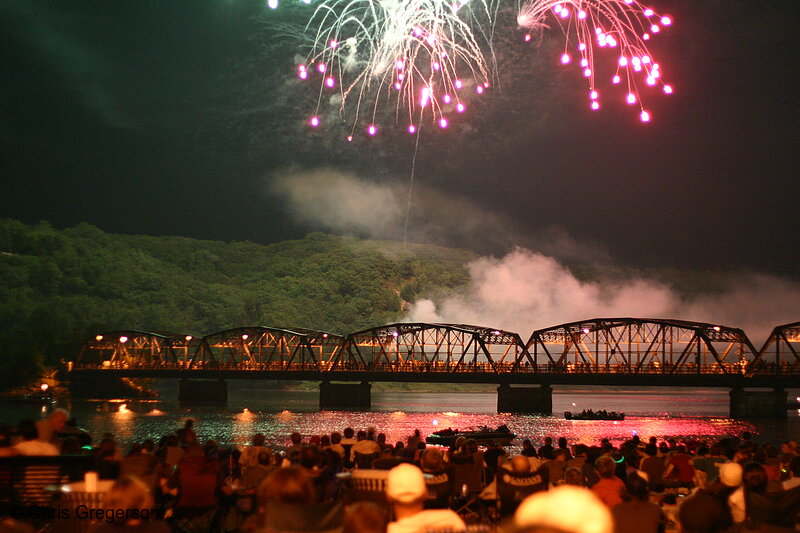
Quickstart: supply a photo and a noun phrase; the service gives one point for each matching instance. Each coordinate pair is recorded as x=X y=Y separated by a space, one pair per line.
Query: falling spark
x=623 y=25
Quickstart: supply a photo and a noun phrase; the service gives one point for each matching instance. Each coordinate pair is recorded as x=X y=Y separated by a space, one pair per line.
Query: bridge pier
x=345 y=395
x=525 y=400
x=747 y=404
x=213 y=391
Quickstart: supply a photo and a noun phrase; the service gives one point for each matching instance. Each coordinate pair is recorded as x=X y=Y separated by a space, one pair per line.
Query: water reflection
x=700 y=414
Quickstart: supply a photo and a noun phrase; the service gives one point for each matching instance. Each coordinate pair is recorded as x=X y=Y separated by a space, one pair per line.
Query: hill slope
x=57 y=287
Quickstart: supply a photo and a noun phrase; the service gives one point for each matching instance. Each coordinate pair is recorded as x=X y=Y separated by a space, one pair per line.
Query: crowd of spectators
x=318 y=483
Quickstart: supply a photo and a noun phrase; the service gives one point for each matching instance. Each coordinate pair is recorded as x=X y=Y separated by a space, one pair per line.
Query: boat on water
x=43 y=398
x=594 y=415
x=482 y=434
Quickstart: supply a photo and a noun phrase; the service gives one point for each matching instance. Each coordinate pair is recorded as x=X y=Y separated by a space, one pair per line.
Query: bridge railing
x=655 y=368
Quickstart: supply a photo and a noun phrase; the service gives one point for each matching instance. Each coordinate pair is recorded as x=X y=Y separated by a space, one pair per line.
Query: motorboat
x=594 y=415
x=484 y=435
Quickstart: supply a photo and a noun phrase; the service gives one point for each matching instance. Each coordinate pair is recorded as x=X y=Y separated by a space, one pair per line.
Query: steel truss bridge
x=598 y=351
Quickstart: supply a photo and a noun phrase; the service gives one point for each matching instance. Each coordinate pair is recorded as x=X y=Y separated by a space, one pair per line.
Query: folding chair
x=440 y=486
x=512 y=487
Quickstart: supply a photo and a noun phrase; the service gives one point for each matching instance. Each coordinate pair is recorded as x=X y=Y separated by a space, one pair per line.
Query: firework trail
x=621 y=26
x=424 y=57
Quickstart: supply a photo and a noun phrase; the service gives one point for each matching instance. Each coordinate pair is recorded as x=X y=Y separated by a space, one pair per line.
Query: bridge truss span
x=781 y=353
x=264 y=348
x=133 y=348
x=641 y=346
x=420 y=347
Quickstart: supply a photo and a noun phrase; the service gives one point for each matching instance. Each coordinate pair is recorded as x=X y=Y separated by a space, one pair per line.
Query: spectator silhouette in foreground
x=565 y=509
x=406 y=491
x=132 y=495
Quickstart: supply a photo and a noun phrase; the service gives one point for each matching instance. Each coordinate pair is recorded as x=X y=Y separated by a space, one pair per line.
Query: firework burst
x=622 y=27
x=423 y=57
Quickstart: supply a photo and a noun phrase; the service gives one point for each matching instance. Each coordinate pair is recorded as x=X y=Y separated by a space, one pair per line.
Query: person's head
x=336 y=437
x=58 y=419
x=189 y=424
x=754 y=478
x=574 y=476
x=560 y=454
x=361 y=435
x=730 y=474
x=562 y=442
x=258 y=439
x=264 y=458
x=636 y=486
x=520 y=464
x=129 y=493
x=565 y=509
x=381 y=438
x=365 y=517
x=432 y=460
x=296 y=438
x=548 y=441
x=286 y=485
x=325 y=441
x=526 y=444
x=794 y=466
x=27 y=430
x=471 y=445
x=309 y=457
x=651 y=450
x=348 y=433
x=405 y=485
x=703 y=513
x=606 y=467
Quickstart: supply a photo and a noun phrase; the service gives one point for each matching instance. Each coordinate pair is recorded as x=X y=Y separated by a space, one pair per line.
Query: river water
x=254 y=407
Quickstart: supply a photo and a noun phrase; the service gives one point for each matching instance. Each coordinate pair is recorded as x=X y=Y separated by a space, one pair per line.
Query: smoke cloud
x=330 y=200
x=527 y=290
x=526 y=281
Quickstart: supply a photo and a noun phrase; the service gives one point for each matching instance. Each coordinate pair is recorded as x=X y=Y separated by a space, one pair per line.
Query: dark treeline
x=57 y=287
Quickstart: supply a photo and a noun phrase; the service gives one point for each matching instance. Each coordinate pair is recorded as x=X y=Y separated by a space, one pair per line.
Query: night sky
x=170 y=117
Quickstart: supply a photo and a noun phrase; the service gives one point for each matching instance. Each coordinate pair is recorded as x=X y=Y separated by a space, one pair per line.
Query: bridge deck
x=480 y=373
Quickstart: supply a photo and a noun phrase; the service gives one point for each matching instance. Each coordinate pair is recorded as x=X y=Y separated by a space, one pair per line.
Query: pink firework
x=618 y=28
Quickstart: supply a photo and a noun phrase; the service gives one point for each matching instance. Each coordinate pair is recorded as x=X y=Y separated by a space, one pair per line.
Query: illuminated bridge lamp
x=245 y=337
x=585 y=331
x=123 y=339
x=98 y=338
x=188 y=338
x=717 y=328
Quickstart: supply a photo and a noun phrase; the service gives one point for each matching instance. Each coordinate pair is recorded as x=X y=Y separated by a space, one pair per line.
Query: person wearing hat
x=730 y=475
x=566 y=509
x=406 y=491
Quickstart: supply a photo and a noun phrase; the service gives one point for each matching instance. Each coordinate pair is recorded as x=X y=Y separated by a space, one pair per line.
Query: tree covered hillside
x=57 y=287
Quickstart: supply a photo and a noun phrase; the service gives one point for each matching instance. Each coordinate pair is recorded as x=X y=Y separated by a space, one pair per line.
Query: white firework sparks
x=423 y=56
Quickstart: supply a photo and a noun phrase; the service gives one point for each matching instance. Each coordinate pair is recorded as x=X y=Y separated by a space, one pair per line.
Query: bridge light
x=188 y=337
x=585 y=331
x=123 y=339
x=98 y=338
x=44 y=387
x=395 y=334
x=717 y=328
x=245 y=337
x=496 y=332
x=324 y=335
